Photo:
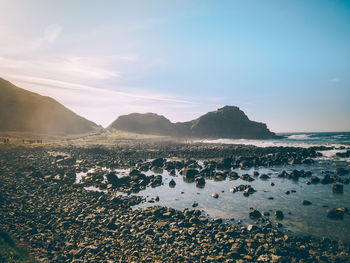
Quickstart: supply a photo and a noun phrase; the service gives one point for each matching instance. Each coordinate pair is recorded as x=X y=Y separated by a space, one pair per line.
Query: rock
x=247 y=177
x=195 y=204
x=113 y=179
x=233 y=176
x=252 y=228
x=327 y=179
x=315 y=179
x=158 y=162
x=279 y=215
x=266 y=213
x=254 y=214
x=306 y=202
x=337 y=188
x=172 y=183
x=344 y=154
x=190 y=173
x=215 y=195
x=200 y=181
x=342 y=171
x=336 y=213
x=264 y=177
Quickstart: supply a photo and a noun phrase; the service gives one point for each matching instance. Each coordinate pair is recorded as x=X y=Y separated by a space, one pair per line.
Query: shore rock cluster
x=57 y=220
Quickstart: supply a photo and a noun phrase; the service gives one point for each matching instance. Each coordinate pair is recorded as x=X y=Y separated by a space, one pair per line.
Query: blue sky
x=285 y=63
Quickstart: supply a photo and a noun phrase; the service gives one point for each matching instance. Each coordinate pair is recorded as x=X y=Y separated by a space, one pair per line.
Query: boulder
x=215 y=195
x=159 y=162
x=306 y=202
x=336 y=213
x=279 y=215
x=172 y=183
x=254 y=214
x=337 y=188
x=190 y=173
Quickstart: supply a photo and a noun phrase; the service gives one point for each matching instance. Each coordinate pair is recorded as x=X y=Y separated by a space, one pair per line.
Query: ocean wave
x=271 y=143
x=301 y=137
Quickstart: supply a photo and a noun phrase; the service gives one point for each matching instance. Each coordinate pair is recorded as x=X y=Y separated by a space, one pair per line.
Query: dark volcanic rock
x=172 y=183
x=336 y=213
x=342 y=171
x=306 y=202
x=254 y=214
x=279 y=215
x=337 y=188
x=190 y=173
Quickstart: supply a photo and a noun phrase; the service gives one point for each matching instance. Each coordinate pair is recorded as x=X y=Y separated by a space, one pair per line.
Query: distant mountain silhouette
x=147 y=123
x=25 y=111
x=227 y=122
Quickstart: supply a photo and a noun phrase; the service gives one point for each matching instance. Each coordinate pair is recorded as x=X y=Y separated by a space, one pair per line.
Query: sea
x=304 y=139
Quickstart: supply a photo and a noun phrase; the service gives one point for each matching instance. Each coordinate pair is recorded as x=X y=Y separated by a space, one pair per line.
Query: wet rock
x=264 y=177
x=336 y=213
x=327 y=179
x=279 y=215
x=215 y=195
x=343 y=154
x=314 y=179
x=251 y=228
x=226 y=163
x=337 y=188
x=190 y=173
x=172 y=183
x=246 y=189
x=200 y=181
x=113 y=179
x=254 y=214
x=158 y=162
x=306 y=202
x=247 y=177
x=342 y=171
x=233 y=176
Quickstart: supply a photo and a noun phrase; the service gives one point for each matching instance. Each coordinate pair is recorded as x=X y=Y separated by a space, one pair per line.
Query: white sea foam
x=270 y=143
x=300 y=137
x=258 y=143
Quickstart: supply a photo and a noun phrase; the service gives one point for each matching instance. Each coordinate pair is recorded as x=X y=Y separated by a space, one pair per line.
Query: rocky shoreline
x=58 y=220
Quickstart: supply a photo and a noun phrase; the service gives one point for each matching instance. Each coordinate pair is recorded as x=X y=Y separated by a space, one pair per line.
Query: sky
x=284 y=63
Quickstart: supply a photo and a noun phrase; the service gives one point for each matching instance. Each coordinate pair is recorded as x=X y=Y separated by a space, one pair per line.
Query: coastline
x=98 y=226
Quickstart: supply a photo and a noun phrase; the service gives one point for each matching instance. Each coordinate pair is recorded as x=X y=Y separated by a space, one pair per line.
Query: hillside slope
x=25 y=111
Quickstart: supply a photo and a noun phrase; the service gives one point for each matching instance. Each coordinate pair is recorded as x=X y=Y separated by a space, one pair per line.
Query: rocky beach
x=87 y=203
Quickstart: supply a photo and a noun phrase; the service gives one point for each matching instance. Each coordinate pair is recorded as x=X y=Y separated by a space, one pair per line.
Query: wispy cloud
x=103 y=105
x=78 y=68
x=335 y=79
x=52 y=32
x=92 y=71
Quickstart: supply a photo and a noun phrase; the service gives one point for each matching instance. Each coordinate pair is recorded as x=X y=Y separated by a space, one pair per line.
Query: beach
x=148 y=201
